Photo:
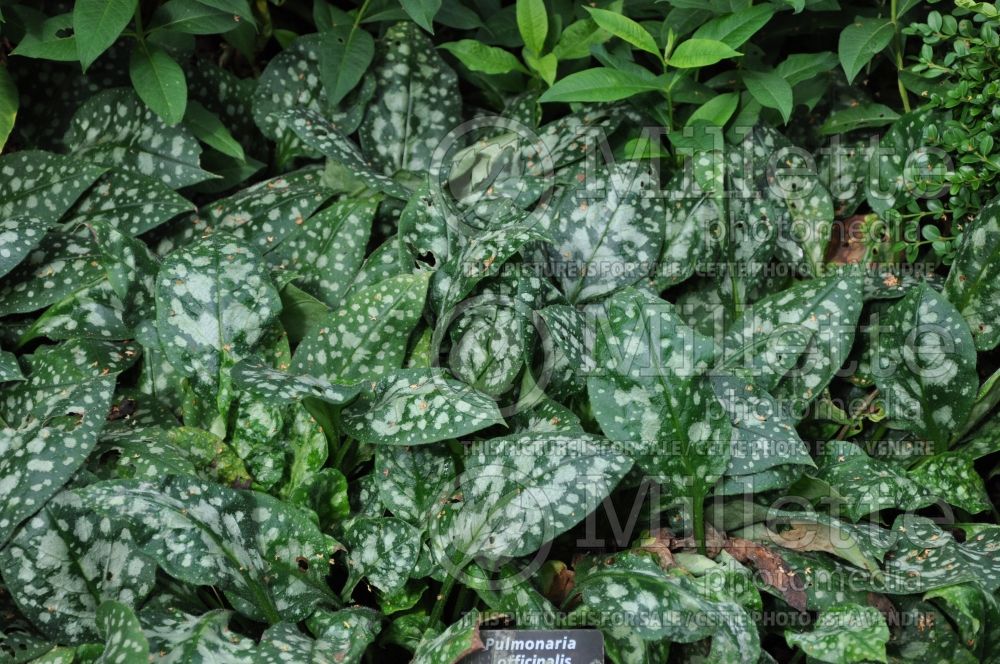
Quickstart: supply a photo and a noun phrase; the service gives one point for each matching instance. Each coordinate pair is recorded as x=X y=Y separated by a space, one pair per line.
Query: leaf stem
x=442 y=599
x=698 y=516
x=899 y=58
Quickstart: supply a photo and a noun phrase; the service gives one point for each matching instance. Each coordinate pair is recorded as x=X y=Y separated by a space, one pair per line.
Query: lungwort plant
x=345 y=332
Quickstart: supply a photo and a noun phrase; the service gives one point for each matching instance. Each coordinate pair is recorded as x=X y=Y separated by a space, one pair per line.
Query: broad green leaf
x=865 y=485
x=520 y=491
x=114 y=128
x=606 y=231
x=268 y=557
x=953 y=477
x=322 y=136
x=418 y=406
x=576 y=39
x=416 y=103
x=716 y=110
x=124 y=642
x=844 y=633
x=213 y=302
x=345 y=54
x=9 y=101
x=792 y=343
x=208 y=128
x=864 y=116
x=650 y=392
x=66 y=561
x=277 y=387
x=973 y=284
x=481 y=57
x=190 y=639
x=193 y=17
x=366 y=337
x=327 y=249
x=924 y=361
x=625 y=29
x=42 y=185
x=340 y=636
x=97 y=24
x=133 y=203
x=383 y=550
x=736 y=28
x=800 y=67
x=861 y=41
x=600 y=84
x=60 y=401
x=422 y=12
x=159 y=81
x=770 y=90
x=48 y=38
x=411 y=480
x=694 y=53
x=532 y=23
x=459 y=639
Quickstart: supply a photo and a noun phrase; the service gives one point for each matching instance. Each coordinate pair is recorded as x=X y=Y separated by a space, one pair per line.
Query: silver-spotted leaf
x=953 y=477
x=42 y=185
x=277 y=387
x=384 y=550
x=131 y=202
x=973 y=284
x=339 y=636
x=844 y=634
x=124 y=642
x=181 y=638
x=459 y=639
x=411 y=479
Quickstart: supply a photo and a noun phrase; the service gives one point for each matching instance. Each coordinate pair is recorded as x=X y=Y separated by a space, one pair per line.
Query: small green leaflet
x=277 y=387
x=367 y=336
x=416 y=407
x=114 y=128
x=844 y=634
x=124 y=642
x=345 y=52
x=973 y=284
x=481 y=57
x=383 y=550
x=133 y=203
x=66 y=561
x=770 y=90
x=327 y=250
x=861 y=41
x=97 y=24
x=607 y=220
x=700 y=52
x=213 y=301
x=159 y=81
x=520 y=491
x=416 y=103
x=41 y=185
x=269 y=558
x=410 y=480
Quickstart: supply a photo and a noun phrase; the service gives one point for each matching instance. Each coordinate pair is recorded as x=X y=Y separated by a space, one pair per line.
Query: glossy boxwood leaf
x=269 y=557
x=416 y=407
x=416 y=102
x=844 y=633
x=213 y=301
x=411 y=479
x=383 y=550
x=649 y=391
x=974 y=279
x=520 y=491
x=607 y=228
x=66 y=561
x=366 y=336
x=925 y=364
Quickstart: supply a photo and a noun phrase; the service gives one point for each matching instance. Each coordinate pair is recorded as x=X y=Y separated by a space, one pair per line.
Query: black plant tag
x=539 y=646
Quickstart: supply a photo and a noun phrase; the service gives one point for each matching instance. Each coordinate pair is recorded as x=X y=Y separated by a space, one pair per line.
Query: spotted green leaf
x=18 y=236
x=416 y=102
x=973 y=282
x=520 y=491
x=42 y=185
x=924 y=557
x=124 y=642
x=131 y=202
x=268 y=557
x=411 y=479
x=66 y=561
x=115 y=129
x=606 y=231
x=793 y=342
x=366 y=336
x=213 y=301
x=649 y=391
x=953 y=477
x=9 y=368
x=339 y=636
x=324 y=137
x=904 y=160
x=277 y=387
x=844 y=633
x=383 y=550
x=925 y=364
x=188 y=639
x=459 y=639
x=327 y=250
x=416 y=407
